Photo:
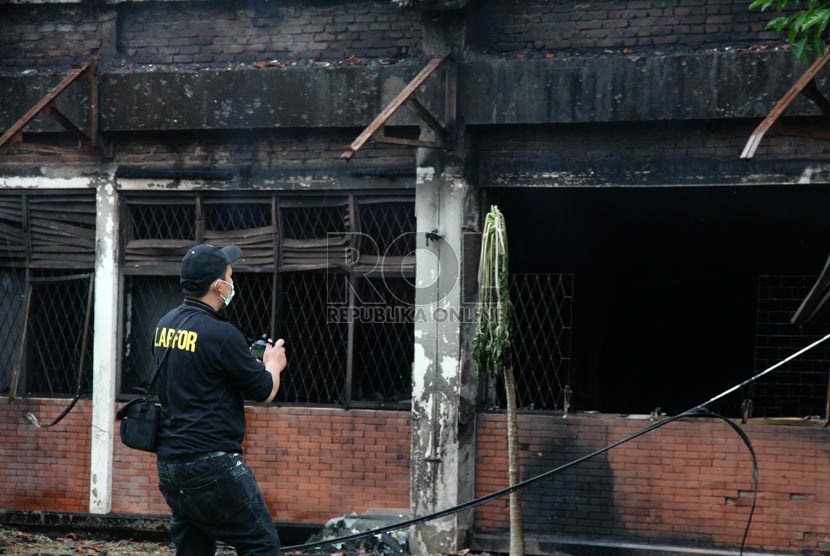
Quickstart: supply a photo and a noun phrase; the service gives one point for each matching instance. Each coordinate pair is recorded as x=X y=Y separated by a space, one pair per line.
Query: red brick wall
x=312 y=464
x=45 y=469
x=687 y=483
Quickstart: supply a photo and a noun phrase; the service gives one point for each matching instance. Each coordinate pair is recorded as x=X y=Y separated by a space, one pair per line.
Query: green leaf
x=763 y=5
x=800 y=49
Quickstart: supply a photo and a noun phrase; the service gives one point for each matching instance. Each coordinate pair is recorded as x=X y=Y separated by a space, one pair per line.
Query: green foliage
x=492 y=339
x=805 y=23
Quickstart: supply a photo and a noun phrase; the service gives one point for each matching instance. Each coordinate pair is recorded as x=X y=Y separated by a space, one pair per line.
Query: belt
x=199 y=457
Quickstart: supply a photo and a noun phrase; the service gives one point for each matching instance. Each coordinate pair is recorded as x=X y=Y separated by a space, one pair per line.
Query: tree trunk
x=517 y=537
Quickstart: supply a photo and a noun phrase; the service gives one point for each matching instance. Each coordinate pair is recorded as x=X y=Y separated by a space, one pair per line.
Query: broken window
x=682 y=293
x=301 y=257
x=47 y=255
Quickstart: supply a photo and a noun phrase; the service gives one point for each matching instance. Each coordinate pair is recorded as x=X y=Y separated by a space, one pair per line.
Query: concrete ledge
x=709 y=85
x=125 y=526
x=556 y=173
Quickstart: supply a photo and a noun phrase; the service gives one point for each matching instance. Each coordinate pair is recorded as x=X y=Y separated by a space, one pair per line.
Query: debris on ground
x=393 y=543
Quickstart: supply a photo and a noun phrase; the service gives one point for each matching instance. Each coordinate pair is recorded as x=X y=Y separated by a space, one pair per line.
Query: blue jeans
x=217 y=499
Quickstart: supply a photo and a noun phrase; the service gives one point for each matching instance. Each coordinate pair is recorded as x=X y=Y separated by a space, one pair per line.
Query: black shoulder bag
x=140 y=418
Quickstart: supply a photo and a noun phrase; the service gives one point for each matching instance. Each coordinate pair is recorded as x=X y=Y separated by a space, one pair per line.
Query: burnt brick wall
x=511 y=26
x=312 y=464
x=798 y=389
x=265 y=150
x=228 y=32
x=45 y=469
x=51 y=35
x=206 y=33
x=688 y=483
x=283 y=149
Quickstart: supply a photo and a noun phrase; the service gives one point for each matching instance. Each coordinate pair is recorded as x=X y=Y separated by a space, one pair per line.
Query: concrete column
x=443 y=397
x=444 y=385
x=104 y=353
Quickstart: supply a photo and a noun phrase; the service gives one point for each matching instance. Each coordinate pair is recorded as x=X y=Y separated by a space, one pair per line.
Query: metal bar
x=200 y=219
x=784 y=103
x=392 y=107
x=422 y=112
x=85 y=337
x=59 y=117
x=18 y=365
x=347 y=394
x=92 y=78
x=43 y=103
x=275 y=255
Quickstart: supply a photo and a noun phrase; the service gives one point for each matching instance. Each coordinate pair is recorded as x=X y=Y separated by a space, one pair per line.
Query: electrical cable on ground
x=695 y=412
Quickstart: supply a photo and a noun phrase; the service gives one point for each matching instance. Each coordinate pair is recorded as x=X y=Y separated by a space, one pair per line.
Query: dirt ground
x=19 y=543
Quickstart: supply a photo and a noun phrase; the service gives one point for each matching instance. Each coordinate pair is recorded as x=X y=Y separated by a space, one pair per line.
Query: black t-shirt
x=202 y=384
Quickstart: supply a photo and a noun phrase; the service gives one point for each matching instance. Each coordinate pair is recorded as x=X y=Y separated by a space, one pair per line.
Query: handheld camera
x=258 y=347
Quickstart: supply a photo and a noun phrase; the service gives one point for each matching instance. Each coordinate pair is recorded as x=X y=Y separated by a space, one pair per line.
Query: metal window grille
x=47 y=248
x=146 y=300
x=159 y=228
x=57 y=343
x=12 y=288
x=252 y=310
x=317 y=370
x=800 y=388
x=282 y=296
x=390 y=224
x=543 y=317
x=383 y=341
x=168 y=220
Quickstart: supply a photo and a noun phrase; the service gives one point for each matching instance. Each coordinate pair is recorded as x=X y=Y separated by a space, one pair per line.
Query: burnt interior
x=665 y=308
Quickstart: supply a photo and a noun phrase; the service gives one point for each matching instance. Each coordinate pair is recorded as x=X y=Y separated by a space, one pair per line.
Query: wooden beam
x=392 y=107
x=419 y=109
x=43 y=103
x=66 y=123
x=784 y=103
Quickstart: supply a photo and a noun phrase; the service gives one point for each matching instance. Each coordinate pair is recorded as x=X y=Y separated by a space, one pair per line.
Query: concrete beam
x=653 y=173
x=709 y=85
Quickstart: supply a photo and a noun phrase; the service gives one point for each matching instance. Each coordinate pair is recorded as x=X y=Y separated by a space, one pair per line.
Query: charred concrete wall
x=687 y=484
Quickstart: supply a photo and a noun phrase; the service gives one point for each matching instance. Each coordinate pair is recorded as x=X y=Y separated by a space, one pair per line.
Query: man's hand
x=275 y=362
x=274 y=356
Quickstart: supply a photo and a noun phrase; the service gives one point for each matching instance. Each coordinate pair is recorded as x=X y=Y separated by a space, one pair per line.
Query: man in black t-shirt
x=208 y=373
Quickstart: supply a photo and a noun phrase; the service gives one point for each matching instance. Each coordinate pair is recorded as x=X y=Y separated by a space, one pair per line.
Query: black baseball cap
x=205 y=263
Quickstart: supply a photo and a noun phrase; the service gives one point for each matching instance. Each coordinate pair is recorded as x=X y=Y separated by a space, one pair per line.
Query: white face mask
x=227 y=300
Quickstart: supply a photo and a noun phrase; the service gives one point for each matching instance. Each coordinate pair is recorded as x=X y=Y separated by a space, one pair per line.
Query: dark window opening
x=670 y=303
